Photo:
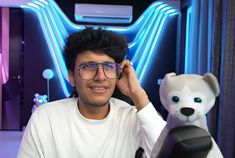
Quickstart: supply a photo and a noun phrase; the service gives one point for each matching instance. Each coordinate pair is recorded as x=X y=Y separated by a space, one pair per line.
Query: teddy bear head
x=188 y=97
x=39 y=99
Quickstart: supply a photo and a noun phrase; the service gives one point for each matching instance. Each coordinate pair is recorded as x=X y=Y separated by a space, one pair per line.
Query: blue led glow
x=56 y=29
x=33 y=5
x=43 y=1
x=68 y=24
x=39 y=3
x=146 y=31
x=153 y=46
x=173 y=14
x=139 y=54
x=139 y=22
x=147 y=52
x=61 y=26
x=187 y=67
x=59 y=44
x=144 y=25
x=144 y=45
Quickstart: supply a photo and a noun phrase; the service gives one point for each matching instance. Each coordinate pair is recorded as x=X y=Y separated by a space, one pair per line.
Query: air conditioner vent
x=98 y=13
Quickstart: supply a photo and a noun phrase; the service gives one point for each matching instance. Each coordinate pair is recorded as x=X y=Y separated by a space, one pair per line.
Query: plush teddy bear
x=39 y=100
x=188 y=98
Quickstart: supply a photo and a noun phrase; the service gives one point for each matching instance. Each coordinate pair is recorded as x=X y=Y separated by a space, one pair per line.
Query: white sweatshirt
x=58 y=130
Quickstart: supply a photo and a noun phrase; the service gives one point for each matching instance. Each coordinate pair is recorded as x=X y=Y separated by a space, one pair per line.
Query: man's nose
x=100 y=74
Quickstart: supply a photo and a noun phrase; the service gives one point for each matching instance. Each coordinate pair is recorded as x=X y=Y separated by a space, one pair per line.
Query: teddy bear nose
x=187 y=111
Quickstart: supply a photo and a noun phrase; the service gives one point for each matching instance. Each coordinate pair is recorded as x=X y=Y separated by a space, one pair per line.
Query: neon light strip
x=59 y=42
x=39 y=3
x=187 y=67
x=147 y=39
x=68 y=24
x=43 y=1
x=153 y=46
x=143 y=29
x=61 y=26
x=144 y=40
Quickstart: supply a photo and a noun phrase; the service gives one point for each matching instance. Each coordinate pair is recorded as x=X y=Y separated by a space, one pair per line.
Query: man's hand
x=129 y=85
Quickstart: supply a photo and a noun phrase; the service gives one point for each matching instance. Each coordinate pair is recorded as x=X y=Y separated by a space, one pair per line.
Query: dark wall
x=13 y=87
x=36 y=59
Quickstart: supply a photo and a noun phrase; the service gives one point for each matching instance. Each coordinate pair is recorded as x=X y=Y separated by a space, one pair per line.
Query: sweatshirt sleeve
x=30 y=146
x=151 y=125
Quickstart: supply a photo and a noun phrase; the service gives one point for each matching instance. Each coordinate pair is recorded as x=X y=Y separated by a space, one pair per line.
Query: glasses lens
x=111 y=70
x=88 y=71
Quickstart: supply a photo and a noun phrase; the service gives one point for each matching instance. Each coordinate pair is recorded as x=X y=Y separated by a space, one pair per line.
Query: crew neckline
x=91 y=121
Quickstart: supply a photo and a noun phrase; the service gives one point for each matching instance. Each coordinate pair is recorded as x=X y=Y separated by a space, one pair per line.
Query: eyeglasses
x=89 y=71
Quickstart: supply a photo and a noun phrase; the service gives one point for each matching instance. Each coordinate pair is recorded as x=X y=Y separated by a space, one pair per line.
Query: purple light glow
x=4 y=56
x=13 y=3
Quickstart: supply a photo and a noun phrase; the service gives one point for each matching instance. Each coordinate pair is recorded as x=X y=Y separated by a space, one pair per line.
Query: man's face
x=94 y=92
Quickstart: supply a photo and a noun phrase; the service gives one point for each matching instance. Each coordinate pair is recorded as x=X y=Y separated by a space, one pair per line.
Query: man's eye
x=88 y=66
x=108 y=66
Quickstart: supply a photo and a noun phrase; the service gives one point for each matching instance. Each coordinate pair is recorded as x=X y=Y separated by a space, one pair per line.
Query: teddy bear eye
x=175 y=99
x=197 y=100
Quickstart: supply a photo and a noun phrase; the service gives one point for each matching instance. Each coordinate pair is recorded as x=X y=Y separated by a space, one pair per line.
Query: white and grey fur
x=186 y=111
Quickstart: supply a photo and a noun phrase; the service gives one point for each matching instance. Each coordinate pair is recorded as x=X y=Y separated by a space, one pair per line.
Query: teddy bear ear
x=169 y=75
x=213 y=82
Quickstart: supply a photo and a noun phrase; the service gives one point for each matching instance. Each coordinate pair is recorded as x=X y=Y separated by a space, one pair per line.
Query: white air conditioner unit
x=103 y=13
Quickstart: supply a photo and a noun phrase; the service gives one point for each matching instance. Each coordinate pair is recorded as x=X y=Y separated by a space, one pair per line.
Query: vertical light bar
x=187 y=59
x=210 y=34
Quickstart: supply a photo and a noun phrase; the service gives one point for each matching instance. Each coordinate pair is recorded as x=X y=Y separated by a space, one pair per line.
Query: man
x=94 y=125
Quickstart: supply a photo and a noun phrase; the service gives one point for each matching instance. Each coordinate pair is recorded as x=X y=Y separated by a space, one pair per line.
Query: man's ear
x=71 y=78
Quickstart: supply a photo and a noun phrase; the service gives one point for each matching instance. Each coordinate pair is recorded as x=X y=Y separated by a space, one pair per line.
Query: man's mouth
x=99 y=89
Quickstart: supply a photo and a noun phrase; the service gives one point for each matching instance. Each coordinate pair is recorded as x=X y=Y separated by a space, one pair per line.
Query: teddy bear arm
x=215 y=151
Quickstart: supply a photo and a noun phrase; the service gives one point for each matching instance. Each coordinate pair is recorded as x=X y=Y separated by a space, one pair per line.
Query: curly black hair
x=97 y=40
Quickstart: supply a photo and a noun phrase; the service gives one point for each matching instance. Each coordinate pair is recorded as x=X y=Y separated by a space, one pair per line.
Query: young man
x=94 y=125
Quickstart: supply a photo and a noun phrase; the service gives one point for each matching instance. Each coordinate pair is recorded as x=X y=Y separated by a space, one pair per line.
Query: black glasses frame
x=117 y=69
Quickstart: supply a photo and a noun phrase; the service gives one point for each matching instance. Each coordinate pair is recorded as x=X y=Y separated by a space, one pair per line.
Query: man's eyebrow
x=108 y=62
x=93 y=62
x=88 y=62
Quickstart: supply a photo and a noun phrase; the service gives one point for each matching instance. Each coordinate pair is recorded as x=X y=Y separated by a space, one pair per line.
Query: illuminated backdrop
x=143 y=35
